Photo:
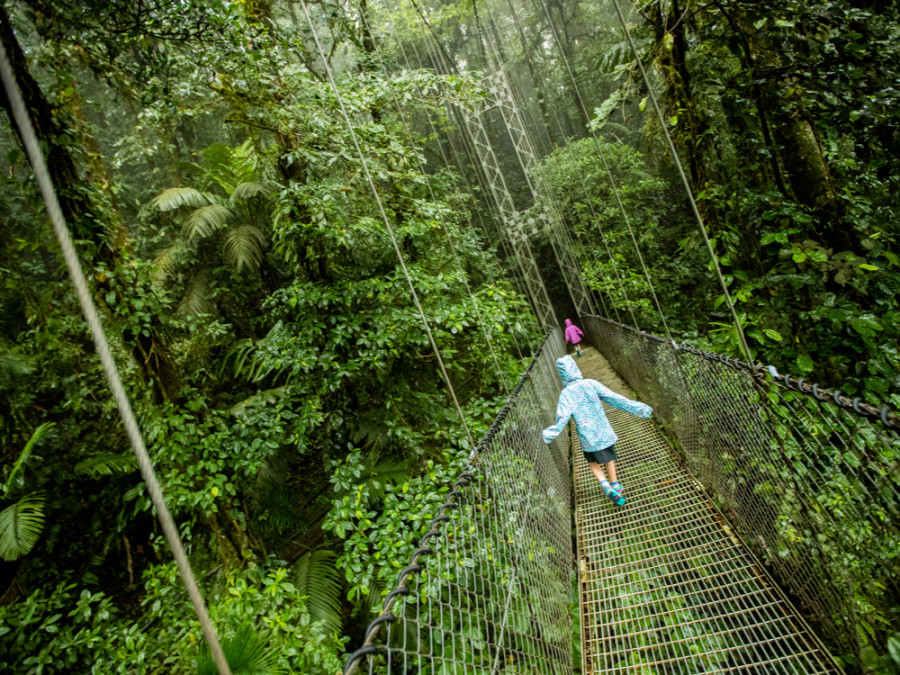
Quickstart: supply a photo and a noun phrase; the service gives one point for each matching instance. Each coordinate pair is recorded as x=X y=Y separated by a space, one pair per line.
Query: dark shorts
x=601 y=456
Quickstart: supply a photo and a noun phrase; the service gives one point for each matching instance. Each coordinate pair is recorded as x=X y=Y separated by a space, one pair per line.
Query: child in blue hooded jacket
x=581 y=399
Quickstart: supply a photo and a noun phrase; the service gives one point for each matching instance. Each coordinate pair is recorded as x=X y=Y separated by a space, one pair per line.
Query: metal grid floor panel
x=666 y=587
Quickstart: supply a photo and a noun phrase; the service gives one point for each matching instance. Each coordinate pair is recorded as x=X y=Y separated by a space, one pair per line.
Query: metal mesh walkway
x=665 y=585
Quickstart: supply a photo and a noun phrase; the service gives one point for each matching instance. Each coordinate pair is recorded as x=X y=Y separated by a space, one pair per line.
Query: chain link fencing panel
x=809 y=479
x=488 y=588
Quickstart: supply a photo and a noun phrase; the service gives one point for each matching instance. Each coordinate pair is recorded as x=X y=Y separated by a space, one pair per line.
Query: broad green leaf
x=805 y=363
x=176 y=197
x=206 y=220
x=20 y=526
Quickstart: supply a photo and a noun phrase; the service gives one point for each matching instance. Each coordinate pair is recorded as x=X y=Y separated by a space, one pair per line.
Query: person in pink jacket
x=573 y=335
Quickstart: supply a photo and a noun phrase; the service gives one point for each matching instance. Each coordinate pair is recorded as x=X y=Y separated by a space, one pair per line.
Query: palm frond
x=278 y=510
x=260 y=399
x=36 y=435
x=105 y=464
x=382 y=471
x=379 y=471
x=243 y=247
x=13 y=364
x=316 y=577
x=197 y=297
x=371 y=603
x=247 y=652
x=249 y=190
x=176 y=197
x=206 y=220
x=229 y=167
x=163 y=264
x=20 y=526
x=244 y=162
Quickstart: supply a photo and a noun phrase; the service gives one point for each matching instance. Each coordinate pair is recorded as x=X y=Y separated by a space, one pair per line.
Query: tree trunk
x=72 y=199
x=82 y=213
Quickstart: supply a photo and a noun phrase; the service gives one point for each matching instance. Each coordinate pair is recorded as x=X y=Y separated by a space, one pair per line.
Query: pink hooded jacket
x=573 y=332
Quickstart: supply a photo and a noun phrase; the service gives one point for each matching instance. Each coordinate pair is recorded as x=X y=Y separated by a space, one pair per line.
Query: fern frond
x=261 y=398
x=244 y=162
x=197 y=297
x=36 y=435
x=247 y=652
x=20 y=526
x=206 y=220
x=378 y=471
x=316 y=577
x=243 y=247
x=278 y=510
x=176 y=197
x=249 y=190
x=13 y=364
x=105 y=464
x=163 y=265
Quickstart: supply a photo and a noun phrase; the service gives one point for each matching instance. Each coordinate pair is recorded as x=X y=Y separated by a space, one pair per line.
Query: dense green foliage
x=263 y=324
x=283 y=380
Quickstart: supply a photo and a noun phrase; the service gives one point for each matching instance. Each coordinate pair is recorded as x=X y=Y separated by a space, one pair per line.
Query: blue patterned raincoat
x=581 y=398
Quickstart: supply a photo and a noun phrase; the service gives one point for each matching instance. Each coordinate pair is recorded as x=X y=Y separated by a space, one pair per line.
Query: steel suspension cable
x=564 y=231
x=534 y=175
x=98 y=335
x=585 y=191
x=412 y=141
x=412 y=289
x=606 y=168
x=497 y=193
x=476 y=161
x=685 y=183
x=532 y=69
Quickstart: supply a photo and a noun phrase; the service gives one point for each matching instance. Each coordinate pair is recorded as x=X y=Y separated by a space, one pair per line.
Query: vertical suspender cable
x=524 y=147
x=387 y=223
x=687 y=185
x=535 y=288
x=527 y=57
x=459 y=265
x=439 y=59
x=106 y=358
x=606 y=168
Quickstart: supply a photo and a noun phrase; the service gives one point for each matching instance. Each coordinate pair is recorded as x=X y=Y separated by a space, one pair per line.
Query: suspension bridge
x=731 y=554
x=759 y=508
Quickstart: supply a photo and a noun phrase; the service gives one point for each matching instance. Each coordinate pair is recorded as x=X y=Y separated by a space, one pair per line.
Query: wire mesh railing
x=488 y=588
x=809 y=479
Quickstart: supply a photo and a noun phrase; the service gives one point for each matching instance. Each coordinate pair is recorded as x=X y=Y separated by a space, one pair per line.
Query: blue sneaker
x=618 y=500
x=617 y=488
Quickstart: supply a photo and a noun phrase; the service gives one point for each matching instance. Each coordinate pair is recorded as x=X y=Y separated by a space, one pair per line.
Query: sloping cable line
x=687 y=186
x=545 y=206
x=461 y=173
x=415 y=148
x=365 y=166
x=606 y=168
x=98 y=335
x=474 y=130
x=532 y=68
x=477 y=163
x=584 y=189
x=562 y=229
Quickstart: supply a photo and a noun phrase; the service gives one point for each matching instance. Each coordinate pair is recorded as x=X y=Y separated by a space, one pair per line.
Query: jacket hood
x=568 y=370
x=568 y=322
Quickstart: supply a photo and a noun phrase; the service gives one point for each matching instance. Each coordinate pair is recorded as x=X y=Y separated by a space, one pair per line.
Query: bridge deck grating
x=666 y=587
